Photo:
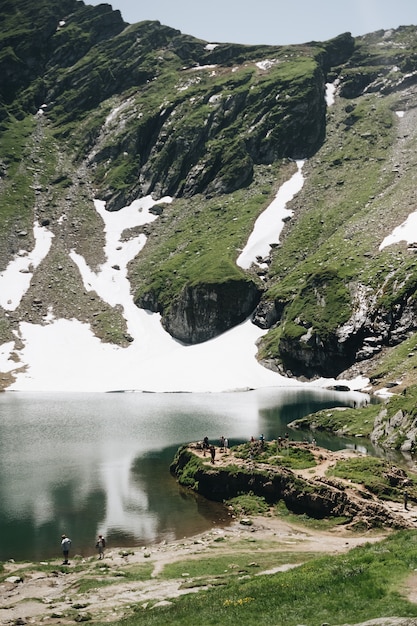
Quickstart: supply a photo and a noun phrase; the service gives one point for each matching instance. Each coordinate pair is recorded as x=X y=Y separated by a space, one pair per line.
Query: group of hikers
x=66 y=545
x=224 y=445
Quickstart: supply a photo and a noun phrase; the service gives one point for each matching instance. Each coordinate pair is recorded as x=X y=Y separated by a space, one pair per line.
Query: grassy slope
x=358 y=187
x=343 y=214
x=199 y=240
x=361 y=585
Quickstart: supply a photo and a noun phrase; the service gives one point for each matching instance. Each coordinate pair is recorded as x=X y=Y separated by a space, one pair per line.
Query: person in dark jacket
x=100 y=545
x=65 y=545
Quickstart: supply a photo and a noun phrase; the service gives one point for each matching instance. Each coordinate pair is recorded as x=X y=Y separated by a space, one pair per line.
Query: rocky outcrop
x=56 y=34
x=398 y=431
x=204 y=311
x=317 y=498
x=370 y=328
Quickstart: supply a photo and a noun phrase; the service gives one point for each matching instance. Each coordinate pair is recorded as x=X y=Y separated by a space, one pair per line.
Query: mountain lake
x=90 y=463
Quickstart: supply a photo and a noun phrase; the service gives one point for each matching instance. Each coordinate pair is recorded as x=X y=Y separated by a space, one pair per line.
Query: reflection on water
x=85 y=464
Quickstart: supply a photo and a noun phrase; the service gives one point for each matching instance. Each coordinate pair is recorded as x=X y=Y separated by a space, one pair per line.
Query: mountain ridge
x=103 y=109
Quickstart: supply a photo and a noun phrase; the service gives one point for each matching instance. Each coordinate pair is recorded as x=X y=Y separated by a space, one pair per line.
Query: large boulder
x=204 y=311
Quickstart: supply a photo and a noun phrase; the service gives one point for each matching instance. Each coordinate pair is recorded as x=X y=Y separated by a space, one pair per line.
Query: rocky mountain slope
x=91 y=107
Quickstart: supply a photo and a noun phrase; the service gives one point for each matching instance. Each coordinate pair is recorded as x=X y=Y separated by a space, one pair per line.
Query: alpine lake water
x=91 y=463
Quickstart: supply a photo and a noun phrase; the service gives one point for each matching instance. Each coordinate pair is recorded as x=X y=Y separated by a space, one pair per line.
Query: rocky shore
x=111 y=589
x=304 y=491
x=34 y=593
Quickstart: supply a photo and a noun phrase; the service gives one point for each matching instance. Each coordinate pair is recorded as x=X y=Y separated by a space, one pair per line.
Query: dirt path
x=54 y=597
x=31 y=595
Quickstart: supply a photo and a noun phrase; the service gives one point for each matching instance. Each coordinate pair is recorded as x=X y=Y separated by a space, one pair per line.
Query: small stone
x=14 y=580
x=162 y=603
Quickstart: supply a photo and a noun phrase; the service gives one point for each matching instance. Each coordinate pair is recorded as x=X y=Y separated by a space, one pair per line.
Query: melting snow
x=270 y=223
x=64 y=355
x=407 y=231
x=330 y=93
x=15 y=280
x=266 y=64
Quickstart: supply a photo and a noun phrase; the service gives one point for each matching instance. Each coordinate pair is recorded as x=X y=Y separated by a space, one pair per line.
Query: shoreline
x=47 y=590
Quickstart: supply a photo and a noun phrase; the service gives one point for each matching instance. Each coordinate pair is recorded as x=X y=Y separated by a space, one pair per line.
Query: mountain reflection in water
x=90 y=463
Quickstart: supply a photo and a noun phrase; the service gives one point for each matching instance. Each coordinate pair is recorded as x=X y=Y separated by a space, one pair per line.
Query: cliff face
x=343 y=293
x=91 y=107
x=205 y=311
x=318 y=498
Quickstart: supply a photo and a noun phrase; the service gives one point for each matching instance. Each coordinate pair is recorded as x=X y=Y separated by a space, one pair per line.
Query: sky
x=272 y=22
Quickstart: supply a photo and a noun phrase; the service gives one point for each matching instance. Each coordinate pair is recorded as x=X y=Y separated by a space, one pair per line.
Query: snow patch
x=407 y=231
x=266 y=64
x=65 y=356
x=270 y=223
x=330 y=93
x=16 y=278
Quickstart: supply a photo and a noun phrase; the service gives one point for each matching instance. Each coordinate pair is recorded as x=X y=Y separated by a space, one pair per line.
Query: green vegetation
x=398 y=363
x=104 y=575
x=146 y=110
x=326 y=523
x=186 y=473
x=286 y=455
x=188 y=247
x=332 y=244
x=361 y=421
x=342 y=421
x=377 y=476
x=17 y=194
x=253 y=558
x=248 y=504
x=405 y=402
x=361 y=585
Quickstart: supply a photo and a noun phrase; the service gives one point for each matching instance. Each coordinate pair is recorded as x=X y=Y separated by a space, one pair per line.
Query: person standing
x=100 y=545
x=65 y=545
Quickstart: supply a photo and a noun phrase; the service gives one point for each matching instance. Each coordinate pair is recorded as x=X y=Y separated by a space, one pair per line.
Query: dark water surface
x=91 y=463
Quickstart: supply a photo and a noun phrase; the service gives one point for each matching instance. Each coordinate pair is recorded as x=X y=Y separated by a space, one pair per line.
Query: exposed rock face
x=369 y=329
x=53 y=38
x=92 y=107
x=203 y=311
x=396 y=432
x=317 y=498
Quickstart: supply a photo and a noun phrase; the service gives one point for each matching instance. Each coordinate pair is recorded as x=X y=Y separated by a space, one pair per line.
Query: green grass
x=286 y=455
x=105 y=575
x=342 y=421
x=257 y=558
x=198 y=241
x=336 y=589
x=304 y=521
x=398 y=363
x=16 y=194
x=361 y=421
x=186 y=474
x=333 y=242
x=248 y=504
x=377 y=475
